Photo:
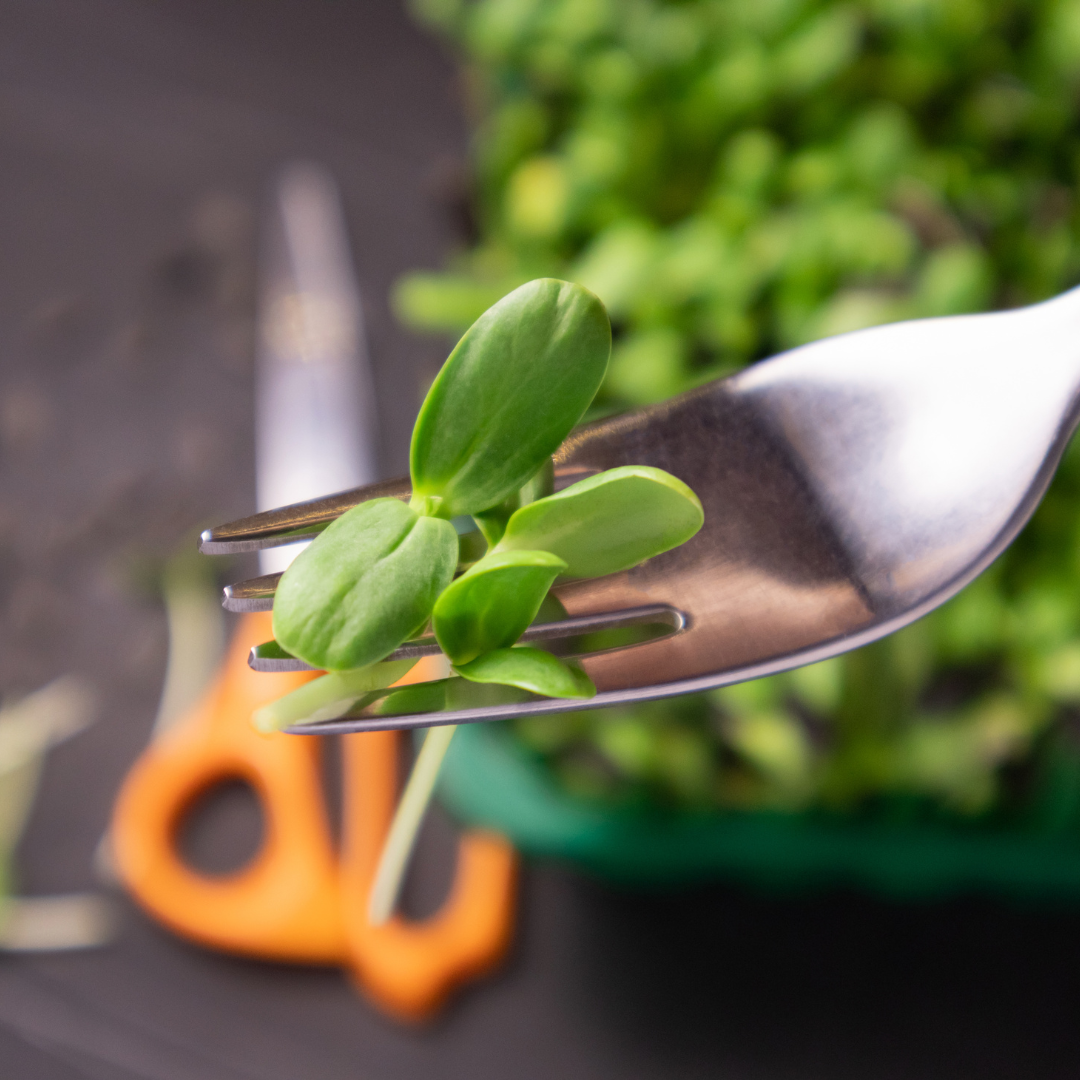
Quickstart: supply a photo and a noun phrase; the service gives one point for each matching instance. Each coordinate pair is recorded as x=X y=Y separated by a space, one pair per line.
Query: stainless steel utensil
x=850 y=486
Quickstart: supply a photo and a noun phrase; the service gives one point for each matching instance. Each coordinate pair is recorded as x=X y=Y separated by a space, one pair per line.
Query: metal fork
x=850 y=486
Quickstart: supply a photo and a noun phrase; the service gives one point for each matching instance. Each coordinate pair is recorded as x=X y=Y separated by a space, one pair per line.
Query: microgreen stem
x=406 y=824
x=428 y=506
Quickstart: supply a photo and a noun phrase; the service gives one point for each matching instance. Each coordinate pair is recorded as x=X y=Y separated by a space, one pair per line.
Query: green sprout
x=509 y=394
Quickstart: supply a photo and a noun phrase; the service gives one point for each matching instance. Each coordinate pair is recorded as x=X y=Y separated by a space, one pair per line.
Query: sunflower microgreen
x=507 y=397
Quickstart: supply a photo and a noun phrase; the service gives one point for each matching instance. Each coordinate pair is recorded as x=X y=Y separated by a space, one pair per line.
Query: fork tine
x=254 y=594
x=304 y=520
x=270 y=656
x=300 y=521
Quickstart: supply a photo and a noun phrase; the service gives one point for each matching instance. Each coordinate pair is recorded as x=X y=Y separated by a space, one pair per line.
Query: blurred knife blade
x=315 y=406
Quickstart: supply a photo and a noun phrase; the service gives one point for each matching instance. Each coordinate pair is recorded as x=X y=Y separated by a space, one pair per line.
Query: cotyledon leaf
x=609 y=522
x=508 y=395
x=492 y=605
x=364 y=586
x=529 y=669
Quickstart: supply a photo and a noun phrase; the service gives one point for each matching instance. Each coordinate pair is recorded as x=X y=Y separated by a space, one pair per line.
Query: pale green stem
x=329 y=696
x=406 y=824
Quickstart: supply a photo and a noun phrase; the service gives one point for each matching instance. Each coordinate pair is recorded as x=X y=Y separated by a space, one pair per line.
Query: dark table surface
x=137 y=140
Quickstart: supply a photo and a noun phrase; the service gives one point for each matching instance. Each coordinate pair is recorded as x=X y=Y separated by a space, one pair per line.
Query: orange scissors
x=298 y=899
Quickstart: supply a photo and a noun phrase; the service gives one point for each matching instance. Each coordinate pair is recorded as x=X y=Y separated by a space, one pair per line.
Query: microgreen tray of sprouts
x=735 y=178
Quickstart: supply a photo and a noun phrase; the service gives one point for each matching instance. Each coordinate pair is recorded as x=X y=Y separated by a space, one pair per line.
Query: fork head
x=849 y=487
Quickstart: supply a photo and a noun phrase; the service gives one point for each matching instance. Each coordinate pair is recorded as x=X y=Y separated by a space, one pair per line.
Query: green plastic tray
x=489 y=779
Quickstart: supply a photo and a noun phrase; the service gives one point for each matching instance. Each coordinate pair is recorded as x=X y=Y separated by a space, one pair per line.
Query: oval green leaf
x=529 y=669
x=517 y=382
x=608 y=522
x=492 y=605
x=364 y=586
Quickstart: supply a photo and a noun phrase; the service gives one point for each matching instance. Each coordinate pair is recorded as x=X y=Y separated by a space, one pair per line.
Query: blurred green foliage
x=736 y=177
